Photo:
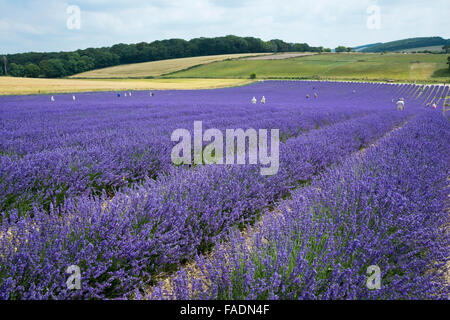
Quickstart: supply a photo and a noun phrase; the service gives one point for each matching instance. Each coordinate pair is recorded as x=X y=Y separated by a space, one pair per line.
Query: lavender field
x=90 y=182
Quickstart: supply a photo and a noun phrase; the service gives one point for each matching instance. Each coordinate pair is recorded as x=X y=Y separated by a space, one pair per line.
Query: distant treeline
x=407 y=44
x=61 y=64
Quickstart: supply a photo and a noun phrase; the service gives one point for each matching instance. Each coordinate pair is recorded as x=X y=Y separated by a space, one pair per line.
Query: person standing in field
x=434 y=105
x=263 y=100
x=316 y=95
x=400 y=105
x=254 y=100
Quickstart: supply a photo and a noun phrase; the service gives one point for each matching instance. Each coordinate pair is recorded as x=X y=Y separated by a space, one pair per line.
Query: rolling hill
x=345 y=66
x=405 y=44
x=157 y=68
x=366 y=46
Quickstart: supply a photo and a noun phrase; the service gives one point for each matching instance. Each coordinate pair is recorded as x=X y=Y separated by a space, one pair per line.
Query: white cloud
x=41 y=26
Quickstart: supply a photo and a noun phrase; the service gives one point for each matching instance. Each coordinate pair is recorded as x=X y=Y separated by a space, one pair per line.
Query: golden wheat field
x=16 y=86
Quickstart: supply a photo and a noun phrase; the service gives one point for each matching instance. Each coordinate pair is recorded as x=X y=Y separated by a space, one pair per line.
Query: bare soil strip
x=281 y=56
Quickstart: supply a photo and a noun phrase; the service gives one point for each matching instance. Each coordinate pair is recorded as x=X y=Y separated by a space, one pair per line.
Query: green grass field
x=345 y=66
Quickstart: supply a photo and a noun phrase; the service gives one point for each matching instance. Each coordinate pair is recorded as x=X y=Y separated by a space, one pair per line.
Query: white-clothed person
x=254 y=100
x=400 y=105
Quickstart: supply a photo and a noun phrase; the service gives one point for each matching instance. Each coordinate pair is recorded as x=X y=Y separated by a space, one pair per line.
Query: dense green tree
x=341 y=49
x=344 y=49
x=280 y=45
x=104 y=58
x=16 y=70
x=86 y=63
x=125 y=53
x=269 y=46
x=32 y=70
x=71 y=66
x=3 y=62
x=52 y=68
x=254 y=44
x=302 y=47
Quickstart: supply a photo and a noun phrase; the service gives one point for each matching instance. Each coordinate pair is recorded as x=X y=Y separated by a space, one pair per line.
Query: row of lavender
x=53 y=150
x=384 y=208
x=120 y=243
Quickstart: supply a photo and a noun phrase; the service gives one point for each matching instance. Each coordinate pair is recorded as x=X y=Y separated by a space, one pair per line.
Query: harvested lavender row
x=119 y=243
x=384 y=209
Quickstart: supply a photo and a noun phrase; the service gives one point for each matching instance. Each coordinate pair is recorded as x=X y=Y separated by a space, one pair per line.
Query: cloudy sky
x=46 y=25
